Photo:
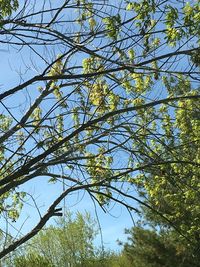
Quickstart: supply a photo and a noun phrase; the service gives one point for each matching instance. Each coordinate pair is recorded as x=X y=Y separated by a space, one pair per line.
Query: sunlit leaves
x=37 y=115
x=99 y=166
x=92 y=23
x=172 y=188
x=112 y=25
x=86 y=14
x=5 y=123
x=192 y=16
x=171 y=16
x=60 y=124
x=195 y=58
x=173 y=35
x=98 y=93
x=92 y=64
x=57 y=67
x=10 y=202
x=131 y=54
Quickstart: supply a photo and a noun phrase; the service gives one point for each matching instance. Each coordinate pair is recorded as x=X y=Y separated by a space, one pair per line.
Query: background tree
x=172 y=189
x=32 y=260
x=105 y=82
x=155 y=249
x=69 y=243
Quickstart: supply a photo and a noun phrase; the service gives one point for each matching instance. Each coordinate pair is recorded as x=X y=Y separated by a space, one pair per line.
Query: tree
x=172 y=189
x=87 y=108
x=151 y=248
x=32 y=260
x=69 y=243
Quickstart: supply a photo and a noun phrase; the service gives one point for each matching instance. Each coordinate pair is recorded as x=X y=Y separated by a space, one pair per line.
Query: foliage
x=172 y=189
x=10 y=201
x=150 y=248
x=7 y=7
x=70 y=241
x=32 y=260
x=106 y=99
